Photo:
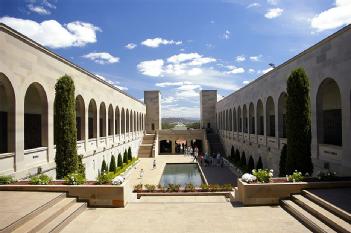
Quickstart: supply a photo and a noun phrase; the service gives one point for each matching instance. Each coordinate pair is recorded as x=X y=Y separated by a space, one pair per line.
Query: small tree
x=251 y=164
x=81 y=167
x=125 y=157
x=112 y=164
x=119 y=160
x=237 y=158
x=232 y=153
x=282 y=163
x=65 y=131
x=104 y=167
x=259 y=164
x=298 y=112
x=130 y=157
x=243 y=161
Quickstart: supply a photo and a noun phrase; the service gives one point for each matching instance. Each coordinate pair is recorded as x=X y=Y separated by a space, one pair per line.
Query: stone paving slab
x=15 y=204
x=194 y=217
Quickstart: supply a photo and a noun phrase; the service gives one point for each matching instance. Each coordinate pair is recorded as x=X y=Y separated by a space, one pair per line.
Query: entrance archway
x=180 y=145
x=165 y=147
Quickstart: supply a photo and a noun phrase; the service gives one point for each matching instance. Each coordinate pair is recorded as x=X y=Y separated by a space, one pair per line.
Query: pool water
x=181 y=173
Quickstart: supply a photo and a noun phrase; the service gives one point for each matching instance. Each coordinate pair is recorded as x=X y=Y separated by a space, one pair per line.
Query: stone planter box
x=271 y=193
x=94 y=195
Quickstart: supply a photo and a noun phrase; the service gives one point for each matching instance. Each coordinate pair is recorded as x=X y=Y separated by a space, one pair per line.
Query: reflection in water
x=181 y=173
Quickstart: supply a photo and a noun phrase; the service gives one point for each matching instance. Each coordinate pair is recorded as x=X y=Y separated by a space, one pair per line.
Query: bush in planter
x=251 y=164
x=74 y=178
x=214 y=187
x=81 y=167
x=104 y=167
x=65 y=130
x=232 y=154
x=226 y=187
x=282 y=162
x=173 y=187
x=125 y=157
x=105 y=178
x=138 y=188
x=243 y=161
x=130 y=157
x=263 y=175
x=259 y=164
x=189 y=188
x=327 y=175
x=298 y=113
x=204 y=187
x=296 y=177
x=113 y=167
x=237 y=158
x=119 y=161
x=7 y=180
x=161 y=188
x=40 y=179
x=150 y=187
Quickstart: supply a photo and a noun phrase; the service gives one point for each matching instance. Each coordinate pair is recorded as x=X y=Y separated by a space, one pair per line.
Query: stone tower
x=208 y=101
x=152 y=100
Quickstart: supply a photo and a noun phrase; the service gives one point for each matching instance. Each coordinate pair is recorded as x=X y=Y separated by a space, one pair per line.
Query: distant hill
x=174 y=120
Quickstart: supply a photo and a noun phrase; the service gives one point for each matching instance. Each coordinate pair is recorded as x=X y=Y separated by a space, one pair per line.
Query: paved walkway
x=341 y=197
x=182 y=214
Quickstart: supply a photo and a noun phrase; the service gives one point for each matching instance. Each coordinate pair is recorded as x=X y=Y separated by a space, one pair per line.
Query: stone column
x=173 y=146
x=19 y=132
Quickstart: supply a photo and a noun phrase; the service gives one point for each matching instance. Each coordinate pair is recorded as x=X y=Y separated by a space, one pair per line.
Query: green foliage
x=104 y=167
x=166 y=125
x=237 y=158
x=262 y=175
x=173 y=187
x=130 y=157
x=282 y=162
x=193 y=125
x=204 y=187
x=259 y=164
x=7 y=180
x=138 y=187
x=105 y=178
x=119 y=160
x=251 y=164
x=75 y=178
x=298 y=123
x=125 y=157
x=65 y=127
x=113 y=167
x=150 y=187
x=189 y=187
x=81 y=167
x=40 y=179
x=296 y=177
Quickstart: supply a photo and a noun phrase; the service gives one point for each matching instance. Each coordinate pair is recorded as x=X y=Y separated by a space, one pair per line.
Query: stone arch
x=110 y=120
x=92 y=119
x=282 y=115
x=235 y=122
x=80 y=117
x=270 y=117
x=7 y=115
x=127 y=121
x=240 y=121
x=102 y=122
x=117 y=121
x=131 y=121
x=230 y=120
x=35 y=117
x=329 y=113
x=260 y=118
x=123 y=121
x=252 y=128
x=245 y=123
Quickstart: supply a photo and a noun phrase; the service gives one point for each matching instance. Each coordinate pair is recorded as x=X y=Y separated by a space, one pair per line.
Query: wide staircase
x=214 y=143
x=53 y=216
x=316 y=213
x=147 y=145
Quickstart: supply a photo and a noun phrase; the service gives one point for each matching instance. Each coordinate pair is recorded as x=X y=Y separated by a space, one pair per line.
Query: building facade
x=252 y=119
x=208 y=101
x=108 y=120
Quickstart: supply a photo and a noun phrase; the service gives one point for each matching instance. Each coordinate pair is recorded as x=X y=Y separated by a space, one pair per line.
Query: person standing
x=154 y=164
x=141 y=173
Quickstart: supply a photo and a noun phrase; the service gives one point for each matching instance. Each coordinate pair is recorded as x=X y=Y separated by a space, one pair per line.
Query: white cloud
x=156 y=42
x=152 y=68
x=167 y=100
x=114 y=83
x=256 y=58
x=38 y=9
x=101 y=58
x=52 y=34
x=335 y=17
x=183 y=57
x=274 y=13
x=255 y=4
x=226 y=35
x=219 y=97
x=251 y=71
x=187 y=91
x=237 y=70
x=180 y=111
x=246 y=82
x=168 y=84
x=240 y=58
x=273 y=2
x=131 y=46
x=264 y=71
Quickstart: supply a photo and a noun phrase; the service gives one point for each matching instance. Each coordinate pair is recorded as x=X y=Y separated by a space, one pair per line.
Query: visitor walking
x=141 y=173
x=154 y=164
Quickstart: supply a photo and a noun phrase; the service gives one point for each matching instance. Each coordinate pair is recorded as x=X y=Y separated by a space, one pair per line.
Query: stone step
x=16 y=225
x=307 y=219
x=327 y=205
x=322 y=214
x=148 y=141
x=57 y=224
x=39 y=221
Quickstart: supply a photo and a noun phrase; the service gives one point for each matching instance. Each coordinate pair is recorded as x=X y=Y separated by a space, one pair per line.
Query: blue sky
x=178 y=47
